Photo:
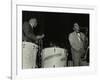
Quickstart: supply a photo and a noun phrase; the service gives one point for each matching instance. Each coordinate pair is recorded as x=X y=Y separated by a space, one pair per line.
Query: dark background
x=57 y=26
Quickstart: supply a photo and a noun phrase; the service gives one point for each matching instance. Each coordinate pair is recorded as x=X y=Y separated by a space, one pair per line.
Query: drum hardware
x=40 y=44
x=63 y=59
x=35 y=47
x=23 y=45
x=54 y=49
x=53 y=65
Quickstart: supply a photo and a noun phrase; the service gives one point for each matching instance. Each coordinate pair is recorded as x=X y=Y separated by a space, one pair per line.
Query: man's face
x=33 y=22
x=76 y=27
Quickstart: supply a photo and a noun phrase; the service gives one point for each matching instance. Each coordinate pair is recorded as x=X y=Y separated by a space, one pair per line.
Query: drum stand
x=39 y=59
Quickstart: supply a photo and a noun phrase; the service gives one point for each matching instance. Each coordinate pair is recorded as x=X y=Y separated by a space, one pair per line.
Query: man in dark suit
x=30 y=47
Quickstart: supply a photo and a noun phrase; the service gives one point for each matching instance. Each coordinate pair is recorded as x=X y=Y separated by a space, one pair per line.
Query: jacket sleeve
x=71 y=41
x=28 y=33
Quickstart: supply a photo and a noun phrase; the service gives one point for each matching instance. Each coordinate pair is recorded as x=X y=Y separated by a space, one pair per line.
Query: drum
x=29 y=52
x=54 y=57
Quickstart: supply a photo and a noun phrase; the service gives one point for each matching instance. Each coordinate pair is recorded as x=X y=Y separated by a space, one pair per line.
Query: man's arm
x=83 y=36
x=71 y=40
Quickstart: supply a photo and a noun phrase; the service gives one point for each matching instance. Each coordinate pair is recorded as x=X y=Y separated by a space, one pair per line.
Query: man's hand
x=40 y=37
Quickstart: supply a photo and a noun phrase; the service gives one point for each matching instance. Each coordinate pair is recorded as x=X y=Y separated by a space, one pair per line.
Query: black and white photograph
x=50 y=40
x=55 y=39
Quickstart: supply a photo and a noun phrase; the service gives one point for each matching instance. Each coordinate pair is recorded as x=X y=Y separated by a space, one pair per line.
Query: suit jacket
x=75 y=42
x=28 y=33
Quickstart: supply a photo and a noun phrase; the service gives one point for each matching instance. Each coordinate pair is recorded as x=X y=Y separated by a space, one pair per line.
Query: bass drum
x=54 y=57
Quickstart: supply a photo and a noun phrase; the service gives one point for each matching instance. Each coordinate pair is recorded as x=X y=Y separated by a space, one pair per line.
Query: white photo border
x=49 y=72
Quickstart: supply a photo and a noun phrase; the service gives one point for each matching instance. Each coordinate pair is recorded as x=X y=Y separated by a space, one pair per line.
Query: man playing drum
x=30 y=48
x=77 y=40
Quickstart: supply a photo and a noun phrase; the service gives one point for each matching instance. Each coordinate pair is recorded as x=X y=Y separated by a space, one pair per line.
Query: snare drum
x=29 y=52
x=54 y=57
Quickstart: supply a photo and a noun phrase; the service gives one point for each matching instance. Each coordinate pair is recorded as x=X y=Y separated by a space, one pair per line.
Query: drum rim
x=33 y=44
x=54 y=47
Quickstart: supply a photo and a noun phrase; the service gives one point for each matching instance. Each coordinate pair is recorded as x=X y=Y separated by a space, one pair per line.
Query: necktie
x=79 y=37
